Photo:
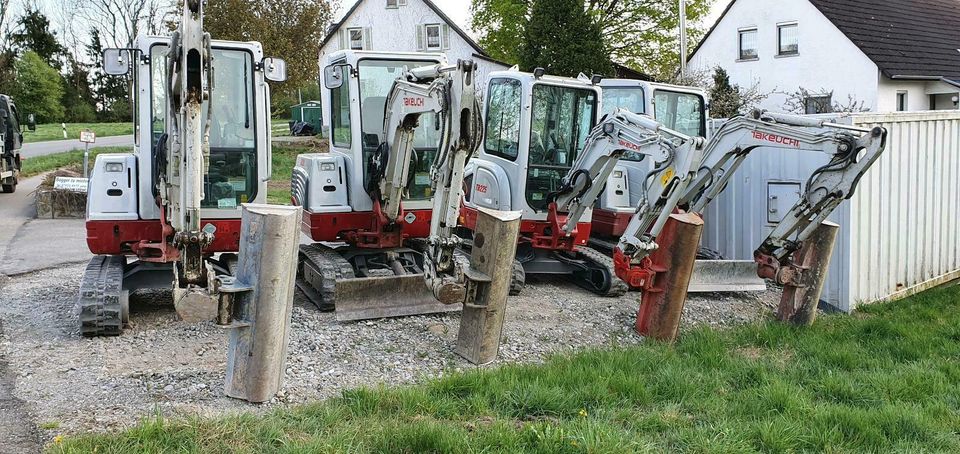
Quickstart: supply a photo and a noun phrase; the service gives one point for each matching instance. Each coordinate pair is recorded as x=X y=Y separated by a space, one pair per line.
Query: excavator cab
x=535 y=128
x=679 y=108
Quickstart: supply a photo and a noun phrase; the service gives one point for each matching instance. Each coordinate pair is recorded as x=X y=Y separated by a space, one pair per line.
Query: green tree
x=78 y=99
x=640 y=34
x=109 y=93
x=725 y=101
x=502 y=24
x=549 y=43
x=38 y=88
x=289 y=29
x=33 y=33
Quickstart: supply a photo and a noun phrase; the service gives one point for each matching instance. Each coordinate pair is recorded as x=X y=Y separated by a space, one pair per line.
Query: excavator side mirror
x=274 y=69
x=333 y=77
x=116 y=62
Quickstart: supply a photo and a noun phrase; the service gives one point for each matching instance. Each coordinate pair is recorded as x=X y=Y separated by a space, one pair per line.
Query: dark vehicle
x=11 y=140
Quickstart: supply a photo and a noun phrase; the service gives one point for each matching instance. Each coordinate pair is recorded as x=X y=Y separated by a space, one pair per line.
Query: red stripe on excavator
x=115 y=237
x=528 y=229
x=336 y=226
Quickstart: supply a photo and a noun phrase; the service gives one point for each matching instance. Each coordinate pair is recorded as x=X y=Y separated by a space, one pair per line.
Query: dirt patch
x=160 y=364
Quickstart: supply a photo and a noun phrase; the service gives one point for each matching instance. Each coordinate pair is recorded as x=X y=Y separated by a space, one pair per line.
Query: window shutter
x=446 y=37
x=421 y=38
x=367 y=38
x=344 y=38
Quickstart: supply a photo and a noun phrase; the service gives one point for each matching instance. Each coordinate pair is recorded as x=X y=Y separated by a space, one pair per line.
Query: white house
x=406 y=26
x=891 y=55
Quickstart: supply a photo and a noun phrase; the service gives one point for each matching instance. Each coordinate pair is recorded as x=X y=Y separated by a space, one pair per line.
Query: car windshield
x=376 y=79
x=232 y=175
x=560 y=123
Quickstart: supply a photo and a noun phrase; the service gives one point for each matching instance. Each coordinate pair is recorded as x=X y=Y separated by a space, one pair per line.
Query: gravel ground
x=162 y=365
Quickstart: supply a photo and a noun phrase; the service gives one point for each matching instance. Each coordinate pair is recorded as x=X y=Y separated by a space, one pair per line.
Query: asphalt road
x=31 y=150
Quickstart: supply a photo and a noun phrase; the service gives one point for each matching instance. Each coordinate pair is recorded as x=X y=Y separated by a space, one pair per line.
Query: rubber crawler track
x=98 y=305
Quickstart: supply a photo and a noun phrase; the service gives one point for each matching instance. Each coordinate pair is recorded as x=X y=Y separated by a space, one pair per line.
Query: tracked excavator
x=696 y=171
x=383 y=203
x=536 y=127
x=202 y=148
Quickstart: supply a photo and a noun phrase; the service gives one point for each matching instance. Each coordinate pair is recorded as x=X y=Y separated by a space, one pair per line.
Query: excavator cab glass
x=376 y=79
x=681 y=112
x=231 y=178
x=561 y=121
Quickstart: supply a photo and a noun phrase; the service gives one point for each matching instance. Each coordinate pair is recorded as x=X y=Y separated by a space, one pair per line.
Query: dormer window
x=434 y=37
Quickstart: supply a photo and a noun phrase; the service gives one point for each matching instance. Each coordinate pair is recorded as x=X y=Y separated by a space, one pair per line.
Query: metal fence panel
x=900 y=232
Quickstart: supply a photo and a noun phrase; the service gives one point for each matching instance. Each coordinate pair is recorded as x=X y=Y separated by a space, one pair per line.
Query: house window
x=788 y=39
x=434 y=40
x=748 y=44
x=392 y=3
x=902 y=101
x=356 y=38
x=818 y=104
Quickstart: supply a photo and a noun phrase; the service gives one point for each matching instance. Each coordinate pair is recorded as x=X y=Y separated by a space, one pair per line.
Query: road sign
x=71 y=184
x=88 y=136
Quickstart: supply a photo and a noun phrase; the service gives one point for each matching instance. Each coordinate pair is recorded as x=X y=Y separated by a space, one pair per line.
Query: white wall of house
x=916 y=91
x=827 y=59
x=402 y=29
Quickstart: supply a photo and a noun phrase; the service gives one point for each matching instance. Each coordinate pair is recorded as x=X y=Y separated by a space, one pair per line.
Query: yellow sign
x=667 y=176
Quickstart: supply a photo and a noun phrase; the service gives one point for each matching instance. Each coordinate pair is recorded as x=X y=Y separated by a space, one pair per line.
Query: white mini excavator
x=402 y=128
x=202 y=148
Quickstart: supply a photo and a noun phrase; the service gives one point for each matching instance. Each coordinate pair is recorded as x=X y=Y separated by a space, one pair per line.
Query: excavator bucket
x=711 y=276
x=328 y=280
x=389 y=296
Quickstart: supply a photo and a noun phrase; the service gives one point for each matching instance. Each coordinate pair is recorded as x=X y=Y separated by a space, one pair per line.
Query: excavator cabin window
x=232 y=176
x=681 y=112
x=561 y=121
x=376 y=80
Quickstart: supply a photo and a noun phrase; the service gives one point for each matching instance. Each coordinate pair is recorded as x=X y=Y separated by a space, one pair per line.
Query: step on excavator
x=11 y=141
x=536 y=127
x=381 y=206
x=202 y=148
x=693 y=171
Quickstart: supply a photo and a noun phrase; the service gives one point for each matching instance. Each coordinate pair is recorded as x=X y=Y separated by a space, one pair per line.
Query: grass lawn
x=53 y=131
x=40 y=164
x=278 y=190
x=884 y=380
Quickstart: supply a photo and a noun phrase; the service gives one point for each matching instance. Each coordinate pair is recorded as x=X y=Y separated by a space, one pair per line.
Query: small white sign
x=88 y=136
x=71 y=184
x=410 y=218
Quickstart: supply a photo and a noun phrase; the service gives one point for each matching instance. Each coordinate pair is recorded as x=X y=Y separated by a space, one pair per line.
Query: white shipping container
x=900 y=232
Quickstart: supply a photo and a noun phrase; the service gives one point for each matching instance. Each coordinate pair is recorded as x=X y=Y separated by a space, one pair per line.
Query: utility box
x=310 y=112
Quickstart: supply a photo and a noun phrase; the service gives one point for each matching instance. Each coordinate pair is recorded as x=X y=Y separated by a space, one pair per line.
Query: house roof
x=335 y=27
x=907 y=39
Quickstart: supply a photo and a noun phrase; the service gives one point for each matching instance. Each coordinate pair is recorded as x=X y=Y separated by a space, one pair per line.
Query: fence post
x=256 y=304
x=494 y=249
x=798 y=305
x=661 y=303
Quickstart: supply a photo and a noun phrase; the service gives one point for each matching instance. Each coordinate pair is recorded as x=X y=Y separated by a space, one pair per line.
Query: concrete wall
x=917 y=98
x=827 y=58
